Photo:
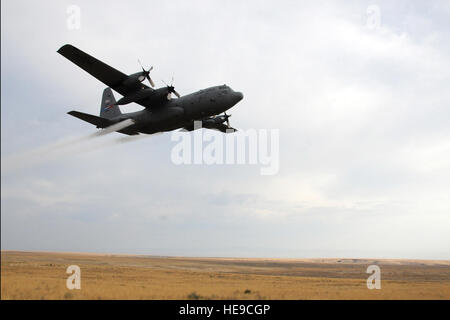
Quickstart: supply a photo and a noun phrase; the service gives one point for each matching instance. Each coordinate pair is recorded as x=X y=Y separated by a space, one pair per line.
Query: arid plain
x=42 y=275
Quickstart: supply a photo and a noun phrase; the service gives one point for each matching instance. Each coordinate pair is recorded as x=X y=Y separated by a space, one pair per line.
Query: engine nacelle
x=212 y=123
x=134 y=80
x=138 y=95
x=151 y=96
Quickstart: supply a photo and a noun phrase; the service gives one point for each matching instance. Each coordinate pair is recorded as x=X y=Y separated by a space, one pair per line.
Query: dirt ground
x=42 y=275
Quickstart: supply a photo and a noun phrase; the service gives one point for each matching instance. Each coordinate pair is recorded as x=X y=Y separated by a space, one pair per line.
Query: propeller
x=171 y=89
x=223 y=118
x=227 y=116
x=147 y=74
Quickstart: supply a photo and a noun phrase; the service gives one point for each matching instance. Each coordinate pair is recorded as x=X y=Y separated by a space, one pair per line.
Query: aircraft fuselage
x=178 y=113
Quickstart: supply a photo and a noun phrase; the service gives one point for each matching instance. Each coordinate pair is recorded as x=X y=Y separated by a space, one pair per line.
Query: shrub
x=193 y=296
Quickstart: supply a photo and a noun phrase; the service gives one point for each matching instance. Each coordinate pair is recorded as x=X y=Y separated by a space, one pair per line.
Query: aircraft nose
x=239 y=96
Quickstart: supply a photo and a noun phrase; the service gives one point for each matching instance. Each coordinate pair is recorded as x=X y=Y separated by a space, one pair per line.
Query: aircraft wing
x=100 y=70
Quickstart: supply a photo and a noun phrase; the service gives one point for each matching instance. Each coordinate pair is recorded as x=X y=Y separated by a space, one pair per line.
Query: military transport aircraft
x=161 y=113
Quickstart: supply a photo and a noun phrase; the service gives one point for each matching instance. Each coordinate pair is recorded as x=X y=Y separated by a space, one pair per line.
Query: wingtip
x=64 y=48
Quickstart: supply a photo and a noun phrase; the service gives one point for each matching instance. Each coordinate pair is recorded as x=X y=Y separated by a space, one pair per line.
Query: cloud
x=363 y=117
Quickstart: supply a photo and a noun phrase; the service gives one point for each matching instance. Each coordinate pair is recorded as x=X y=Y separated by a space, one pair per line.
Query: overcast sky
x=363 y=112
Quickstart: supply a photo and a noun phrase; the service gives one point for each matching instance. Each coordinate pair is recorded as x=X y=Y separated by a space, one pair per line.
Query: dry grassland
x=42 y=275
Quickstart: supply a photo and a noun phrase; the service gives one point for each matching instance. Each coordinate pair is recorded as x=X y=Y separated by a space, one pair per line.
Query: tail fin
x=108 y=108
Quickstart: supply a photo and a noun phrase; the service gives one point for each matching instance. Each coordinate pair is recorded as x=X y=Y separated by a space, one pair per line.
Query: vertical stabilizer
x=108 y=108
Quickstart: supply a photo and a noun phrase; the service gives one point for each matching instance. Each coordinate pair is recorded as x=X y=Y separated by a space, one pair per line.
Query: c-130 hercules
x=161 y=113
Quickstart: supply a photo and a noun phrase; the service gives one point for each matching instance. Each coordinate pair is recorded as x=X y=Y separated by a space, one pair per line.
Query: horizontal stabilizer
x=97 y=121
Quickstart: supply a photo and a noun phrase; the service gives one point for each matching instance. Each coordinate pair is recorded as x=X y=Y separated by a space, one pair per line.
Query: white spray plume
x=61 y=148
